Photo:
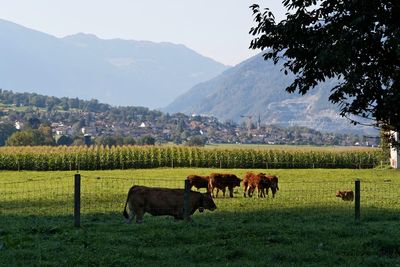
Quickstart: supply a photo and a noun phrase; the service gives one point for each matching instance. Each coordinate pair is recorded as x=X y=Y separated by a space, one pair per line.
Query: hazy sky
x=214 y=28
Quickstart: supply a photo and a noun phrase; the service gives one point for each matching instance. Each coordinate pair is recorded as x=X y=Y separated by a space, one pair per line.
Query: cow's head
x=339 y=193
x=236 y=180
x=206 y=202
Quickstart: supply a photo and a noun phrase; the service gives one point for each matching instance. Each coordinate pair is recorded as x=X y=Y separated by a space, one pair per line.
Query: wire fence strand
x=106 y=194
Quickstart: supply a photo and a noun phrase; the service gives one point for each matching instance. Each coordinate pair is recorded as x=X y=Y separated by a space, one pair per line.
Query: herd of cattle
x=221 y=181
x=166 y=201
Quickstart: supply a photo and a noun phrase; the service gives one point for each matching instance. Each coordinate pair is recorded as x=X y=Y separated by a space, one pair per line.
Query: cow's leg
x=223 y=191
x=131 y=217
x=261 y=192
x=230 y=191
x=131 y=213
x=273 y=192
x=139 y=215
x=244 y=191
x=251 y=191
x=210 y=188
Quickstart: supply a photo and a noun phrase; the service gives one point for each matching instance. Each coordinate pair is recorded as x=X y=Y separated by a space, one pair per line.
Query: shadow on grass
x=308 y=236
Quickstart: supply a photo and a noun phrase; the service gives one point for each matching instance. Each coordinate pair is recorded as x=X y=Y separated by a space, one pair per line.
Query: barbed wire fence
x=97 y=195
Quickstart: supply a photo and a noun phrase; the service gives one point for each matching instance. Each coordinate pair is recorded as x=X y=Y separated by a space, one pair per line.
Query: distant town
x=72 y=121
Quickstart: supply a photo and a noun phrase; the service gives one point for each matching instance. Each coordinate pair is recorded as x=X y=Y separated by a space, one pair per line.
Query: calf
x=198 y=181
x=221 y=181
x=345 y=195
x=252 y=181
x=163 y=201
x=272 y=183
x=263 y=183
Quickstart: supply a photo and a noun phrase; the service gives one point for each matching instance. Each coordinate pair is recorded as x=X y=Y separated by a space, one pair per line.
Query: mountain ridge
x=256 y=87
x=116 y=71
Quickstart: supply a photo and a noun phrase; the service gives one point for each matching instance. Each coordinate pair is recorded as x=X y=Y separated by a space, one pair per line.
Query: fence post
x=77 y=200
x=186 y=199
x=357 y=200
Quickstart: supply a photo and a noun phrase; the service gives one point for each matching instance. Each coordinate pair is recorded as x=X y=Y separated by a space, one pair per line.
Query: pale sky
x=214 y=28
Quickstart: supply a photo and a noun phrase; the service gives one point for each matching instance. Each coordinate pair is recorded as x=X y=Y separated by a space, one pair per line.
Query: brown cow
x=252 y=181
x=263 y=183
x=272 y=183
x=163 y=201
x=221 y=181
x=345 y=195
x=198 y=181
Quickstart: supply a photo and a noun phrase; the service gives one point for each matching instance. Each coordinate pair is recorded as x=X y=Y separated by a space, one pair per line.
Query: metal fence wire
x=107 y=195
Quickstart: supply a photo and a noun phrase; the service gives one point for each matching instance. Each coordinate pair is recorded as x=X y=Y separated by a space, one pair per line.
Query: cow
x=273 y=184
x=252 y=181
x=198 y=181
x=262 y=182
x=163 y=201
x=221 y=181
x=345 y=195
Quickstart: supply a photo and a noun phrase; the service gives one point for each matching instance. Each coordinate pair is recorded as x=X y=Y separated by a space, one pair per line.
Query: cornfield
x=140 y=157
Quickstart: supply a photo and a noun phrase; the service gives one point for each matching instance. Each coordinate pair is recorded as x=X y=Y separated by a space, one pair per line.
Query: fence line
x=106 y=195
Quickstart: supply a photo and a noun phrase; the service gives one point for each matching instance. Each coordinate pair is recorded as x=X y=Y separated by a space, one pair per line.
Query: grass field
x=305 y=225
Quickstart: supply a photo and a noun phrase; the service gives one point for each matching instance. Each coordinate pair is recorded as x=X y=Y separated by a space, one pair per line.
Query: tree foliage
x=356 y=42
x=197 y=140
x=31 y=137
x=6 y=130
x=146 y=140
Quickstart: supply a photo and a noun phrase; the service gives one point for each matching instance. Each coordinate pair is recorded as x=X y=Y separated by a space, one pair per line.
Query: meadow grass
x=304 y=225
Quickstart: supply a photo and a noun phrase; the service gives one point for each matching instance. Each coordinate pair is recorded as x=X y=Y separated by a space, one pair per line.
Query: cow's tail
x=125 y=213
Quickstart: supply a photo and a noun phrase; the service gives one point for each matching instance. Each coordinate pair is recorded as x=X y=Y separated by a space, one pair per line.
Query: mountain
x=119 y=72
x=255 y=88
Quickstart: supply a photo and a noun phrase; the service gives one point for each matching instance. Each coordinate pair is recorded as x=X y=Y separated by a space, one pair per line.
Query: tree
x=31 y=137
x=356 y=42
x=146 y=140
x=6 y=130
x=197 y=140
x=129 y=140
x=64 y=140
x=106 y=140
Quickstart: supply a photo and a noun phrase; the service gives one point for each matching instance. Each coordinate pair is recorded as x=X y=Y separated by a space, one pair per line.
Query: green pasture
x=304 y=225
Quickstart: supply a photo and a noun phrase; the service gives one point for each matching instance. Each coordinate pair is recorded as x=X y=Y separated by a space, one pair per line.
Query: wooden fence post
x=77 y=201
x=186 y=199
x=357 y=201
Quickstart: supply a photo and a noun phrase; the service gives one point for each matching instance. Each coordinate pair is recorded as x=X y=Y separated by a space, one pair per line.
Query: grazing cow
x=221 y=181
x=252 y=181
x=272 y=183
x=198 y=181
x=345 y=195
x=263 y=183
x=163 y=201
